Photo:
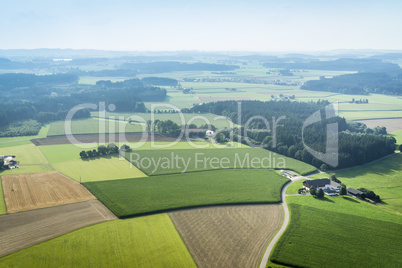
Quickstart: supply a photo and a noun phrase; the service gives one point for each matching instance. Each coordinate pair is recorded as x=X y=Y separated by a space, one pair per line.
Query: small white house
x=9 y=161
x=209 y=133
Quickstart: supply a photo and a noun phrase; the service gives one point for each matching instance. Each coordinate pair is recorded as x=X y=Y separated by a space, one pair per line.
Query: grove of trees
x=355 y=147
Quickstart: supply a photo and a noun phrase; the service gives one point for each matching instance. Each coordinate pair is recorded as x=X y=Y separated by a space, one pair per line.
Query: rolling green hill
x=164 y=192
x=339 y=232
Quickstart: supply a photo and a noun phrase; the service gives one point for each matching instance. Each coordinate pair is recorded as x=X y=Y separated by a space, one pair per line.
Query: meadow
x=27 y=154
x=154 y=162
x=192 y=144
x=98 y=169
x=65 y=152
x=23 y=140
x=335 y=232
x=150 y=241
x=292 y=189
x=93 y=126
x=397 y=135
x=179 y=118
x=30 y=158
x=382 y=177
x=165 y=192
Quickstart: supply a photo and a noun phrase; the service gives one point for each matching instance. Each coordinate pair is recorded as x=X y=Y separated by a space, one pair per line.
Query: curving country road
x=286 y=210
x=284 y=225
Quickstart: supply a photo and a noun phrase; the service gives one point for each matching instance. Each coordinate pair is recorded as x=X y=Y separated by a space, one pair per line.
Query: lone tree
x=83 y=154
x=342 y=191
x=102 y=150
x=334 y=178
x=125 y=148
x=313 y=190
x=324 y=167
x=320 y=193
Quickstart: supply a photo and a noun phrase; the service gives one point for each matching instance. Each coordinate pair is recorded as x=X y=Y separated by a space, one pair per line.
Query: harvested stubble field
x=31 y=191
x=25 y=229
x=2 y=204
x=102 y=138
x=232 y=236
x=391 y=124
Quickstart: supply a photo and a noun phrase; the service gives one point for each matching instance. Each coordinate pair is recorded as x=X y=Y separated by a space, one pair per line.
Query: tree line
x=103 y=150
x=359 y=83
x=343 y=64
x=355 y=147
x=31 y=99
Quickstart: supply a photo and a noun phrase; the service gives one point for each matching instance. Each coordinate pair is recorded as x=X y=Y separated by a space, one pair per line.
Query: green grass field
x=193 y=144
x=382 y=177
x=154 y=162
x=22 y=140
x=25 y=169
x=397 y=135
x=30 y=158
x=27 y=154
x=65 y=152
x=98 y=169
x=339 y=232
x=179 y=118
x=2 y=203
x=150 y=241
x=94 y=125
x=158 y=193
x=292 y=189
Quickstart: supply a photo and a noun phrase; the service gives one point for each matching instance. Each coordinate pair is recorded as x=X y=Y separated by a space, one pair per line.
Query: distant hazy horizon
x=178 y=25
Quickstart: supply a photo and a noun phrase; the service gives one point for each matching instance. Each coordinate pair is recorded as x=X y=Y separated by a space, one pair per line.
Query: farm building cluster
x=9 y=161
x=329 y=187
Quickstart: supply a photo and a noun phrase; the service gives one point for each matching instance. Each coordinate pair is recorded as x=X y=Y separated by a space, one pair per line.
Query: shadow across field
x=347 y=198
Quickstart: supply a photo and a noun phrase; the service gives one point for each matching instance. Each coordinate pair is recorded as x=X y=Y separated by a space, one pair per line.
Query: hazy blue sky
x=254 y=25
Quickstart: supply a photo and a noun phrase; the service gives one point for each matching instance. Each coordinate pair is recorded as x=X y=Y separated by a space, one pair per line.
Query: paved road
x=286 y=210
x=284 y=225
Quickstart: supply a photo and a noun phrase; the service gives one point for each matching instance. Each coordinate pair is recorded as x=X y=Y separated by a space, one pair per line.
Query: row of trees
x=359 y=83
x=13 y=80
x=344 y=64
x=51 y=97
x=370 y=195
x=21 y=128
x=103 y=150
x=355 y=148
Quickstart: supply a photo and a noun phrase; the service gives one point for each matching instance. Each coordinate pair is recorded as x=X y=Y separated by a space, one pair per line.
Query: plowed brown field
x=38 y=190
x=24 y=229
x=230 y=236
